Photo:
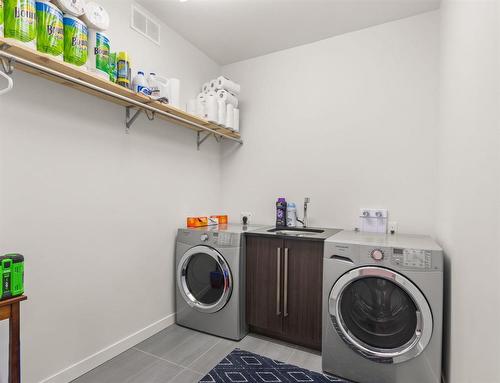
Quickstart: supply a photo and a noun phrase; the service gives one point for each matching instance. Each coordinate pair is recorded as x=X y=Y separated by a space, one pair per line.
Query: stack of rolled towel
x=218 y=103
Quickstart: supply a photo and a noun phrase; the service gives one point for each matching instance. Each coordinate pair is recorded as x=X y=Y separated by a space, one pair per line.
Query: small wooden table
x=10 y=309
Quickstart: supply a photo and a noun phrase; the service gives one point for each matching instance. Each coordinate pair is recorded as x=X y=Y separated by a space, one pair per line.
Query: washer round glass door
x=381 y=314
x=204 y=279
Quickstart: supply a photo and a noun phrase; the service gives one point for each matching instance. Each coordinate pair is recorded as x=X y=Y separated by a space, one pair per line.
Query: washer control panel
x=412 y=258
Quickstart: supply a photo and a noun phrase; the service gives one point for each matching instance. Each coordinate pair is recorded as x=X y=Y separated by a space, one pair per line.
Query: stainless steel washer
x=210 y=280
x=382 y=308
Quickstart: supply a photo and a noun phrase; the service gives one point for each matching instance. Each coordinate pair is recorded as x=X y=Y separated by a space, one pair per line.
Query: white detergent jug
x=169 y=89
x=162 y=84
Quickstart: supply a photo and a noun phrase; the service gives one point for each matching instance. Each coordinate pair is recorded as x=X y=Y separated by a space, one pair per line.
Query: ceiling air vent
x=144 y=23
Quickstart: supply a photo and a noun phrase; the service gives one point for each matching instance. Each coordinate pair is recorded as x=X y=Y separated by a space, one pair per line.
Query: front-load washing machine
x=210 y=280
x=382 y=308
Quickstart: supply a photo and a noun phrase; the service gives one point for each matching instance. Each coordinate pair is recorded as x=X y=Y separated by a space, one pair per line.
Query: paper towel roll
x=205 y=87
x=229 y=116
x=173 y=91
x=212 y=109
x=200 y=105
x=95 y=16
x=98 y=53
x=221 y=105
x=227 y=97
x=236 y=120
x=191 y=106
x=230 y=86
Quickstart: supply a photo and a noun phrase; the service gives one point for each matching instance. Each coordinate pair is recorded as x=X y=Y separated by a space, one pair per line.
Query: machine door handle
x=285 y=284
x=278 y=281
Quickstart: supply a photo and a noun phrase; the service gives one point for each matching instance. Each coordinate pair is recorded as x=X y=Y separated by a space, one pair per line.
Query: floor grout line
x=160 y=358
x=198 y=358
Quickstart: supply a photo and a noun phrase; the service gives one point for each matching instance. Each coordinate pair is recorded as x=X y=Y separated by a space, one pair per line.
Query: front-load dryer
x=382 y=308
x=210 y=280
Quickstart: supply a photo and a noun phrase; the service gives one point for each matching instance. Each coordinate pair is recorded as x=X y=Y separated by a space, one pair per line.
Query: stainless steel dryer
x=382 y=308
x=210 y=280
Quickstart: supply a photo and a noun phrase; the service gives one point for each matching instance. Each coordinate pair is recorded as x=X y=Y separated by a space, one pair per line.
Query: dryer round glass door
x=204 y=279
x=381 y=314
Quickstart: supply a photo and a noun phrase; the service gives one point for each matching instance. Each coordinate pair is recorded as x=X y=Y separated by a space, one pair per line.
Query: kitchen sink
x=296 y=231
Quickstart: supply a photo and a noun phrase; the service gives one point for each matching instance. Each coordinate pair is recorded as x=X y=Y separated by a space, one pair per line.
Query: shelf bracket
x=7 y=63
x=129 y=121
x=200 y=140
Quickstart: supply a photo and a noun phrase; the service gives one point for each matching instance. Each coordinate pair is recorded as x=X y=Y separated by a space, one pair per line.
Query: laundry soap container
x=12 y=275
x=291 y=214
x=281 y=212
x=17 y=274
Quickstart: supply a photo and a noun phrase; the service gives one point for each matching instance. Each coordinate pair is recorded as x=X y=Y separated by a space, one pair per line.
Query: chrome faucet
x=305 y=223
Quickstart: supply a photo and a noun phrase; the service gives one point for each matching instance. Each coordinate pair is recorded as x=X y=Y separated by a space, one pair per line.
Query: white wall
x=349 y=121
x=95 y=211
x=469 y=193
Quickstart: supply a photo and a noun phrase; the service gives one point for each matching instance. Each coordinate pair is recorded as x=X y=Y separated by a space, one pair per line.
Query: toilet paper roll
x=236 y=120
x=213 y=85
x=205 y=87
x=211 y=93
x=227 y=97
x=73 y=7
x=229 y=116
x=211 y=106
x=221 y=105
x=200 y=105
x=230 y=86
x=174 y=92
x=191 y=106
x=95 y=16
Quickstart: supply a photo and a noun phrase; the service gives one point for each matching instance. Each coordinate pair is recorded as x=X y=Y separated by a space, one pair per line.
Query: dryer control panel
x=412 y=258
x=402 y=258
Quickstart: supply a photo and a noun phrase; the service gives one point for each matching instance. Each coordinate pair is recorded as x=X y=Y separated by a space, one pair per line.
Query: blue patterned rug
x=242 y=366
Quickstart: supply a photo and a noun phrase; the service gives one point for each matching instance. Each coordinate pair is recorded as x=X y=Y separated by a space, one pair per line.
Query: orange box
x=207 y=221
x=197 y=221
x=223 y=219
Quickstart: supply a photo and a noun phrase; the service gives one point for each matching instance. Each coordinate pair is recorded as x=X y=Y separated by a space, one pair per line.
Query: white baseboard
x=78 y=369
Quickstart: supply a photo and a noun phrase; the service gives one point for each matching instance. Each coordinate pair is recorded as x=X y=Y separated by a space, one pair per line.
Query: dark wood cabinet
x=263 y=271
x=284 y=288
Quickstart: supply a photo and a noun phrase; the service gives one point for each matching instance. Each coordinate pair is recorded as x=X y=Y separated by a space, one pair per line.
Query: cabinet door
x=264 y=293
x=303 y=292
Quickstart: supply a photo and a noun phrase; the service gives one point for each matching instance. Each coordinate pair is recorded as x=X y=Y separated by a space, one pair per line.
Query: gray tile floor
x=180 y=355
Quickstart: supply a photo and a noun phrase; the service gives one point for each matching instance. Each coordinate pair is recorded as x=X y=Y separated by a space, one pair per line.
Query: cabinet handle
x=285 y=291
x=278 y=281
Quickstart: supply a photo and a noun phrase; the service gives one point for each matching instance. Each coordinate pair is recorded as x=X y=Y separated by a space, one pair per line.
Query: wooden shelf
x=48 y=67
